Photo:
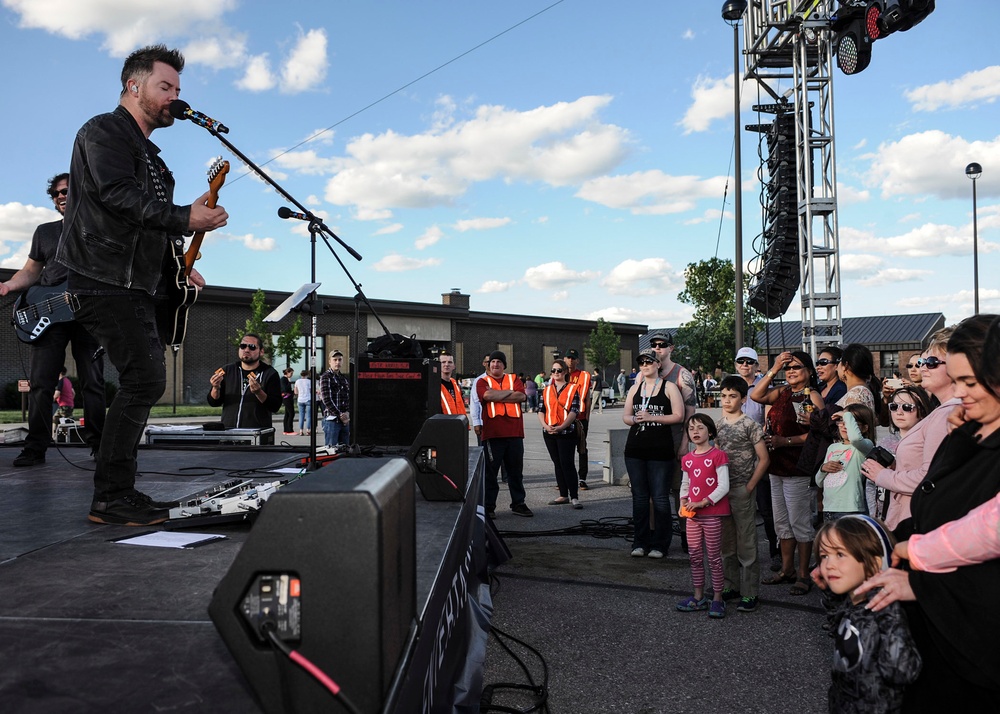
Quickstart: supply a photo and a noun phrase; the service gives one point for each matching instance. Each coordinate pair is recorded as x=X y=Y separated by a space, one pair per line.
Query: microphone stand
x=314 y=306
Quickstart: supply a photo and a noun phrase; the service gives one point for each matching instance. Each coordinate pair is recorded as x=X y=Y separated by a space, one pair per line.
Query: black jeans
x=48 y=355
x=289 y=424
x=127 y=326
x=582 y=427
x=562 y=451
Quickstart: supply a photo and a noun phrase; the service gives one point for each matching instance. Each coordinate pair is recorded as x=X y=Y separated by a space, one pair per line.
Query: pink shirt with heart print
x=707 y=476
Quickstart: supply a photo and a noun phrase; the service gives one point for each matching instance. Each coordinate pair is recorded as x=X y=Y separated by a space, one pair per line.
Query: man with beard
x=120 y=241
x=249 y=391
x=48 y=351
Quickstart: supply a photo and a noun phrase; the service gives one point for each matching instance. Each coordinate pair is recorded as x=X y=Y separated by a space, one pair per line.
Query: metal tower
x=791 y=40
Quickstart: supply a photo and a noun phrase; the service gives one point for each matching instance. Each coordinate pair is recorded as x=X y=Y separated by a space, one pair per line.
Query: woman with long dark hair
x=784 y=434
x=557 y=411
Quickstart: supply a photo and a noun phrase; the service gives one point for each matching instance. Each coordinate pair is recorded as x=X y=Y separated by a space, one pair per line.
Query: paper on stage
x=170 y=539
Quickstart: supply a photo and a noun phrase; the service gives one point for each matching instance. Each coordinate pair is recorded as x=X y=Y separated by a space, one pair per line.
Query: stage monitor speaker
x=395 y=397
x=440 y=453
x=331 y=565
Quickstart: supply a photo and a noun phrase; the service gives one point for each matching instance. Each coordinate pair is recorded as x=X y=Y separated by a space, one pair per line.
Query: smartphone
x=894 y=383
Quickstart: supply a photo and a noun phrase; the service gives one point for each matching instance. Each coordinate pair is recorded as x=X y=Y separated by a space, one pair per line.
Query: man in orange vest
x=581 y=378
x=503 y=433
x=452 y=401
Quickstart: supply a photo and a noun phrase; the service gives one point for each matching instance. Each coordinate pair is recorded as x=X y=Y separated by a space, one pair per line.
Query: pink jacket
x=913 y=457
x=971 y=539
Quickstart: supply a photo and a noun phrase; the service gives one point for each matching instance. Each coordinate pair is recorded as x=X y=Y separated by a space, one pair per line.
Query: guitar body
x=183 y=294
x=39 y=307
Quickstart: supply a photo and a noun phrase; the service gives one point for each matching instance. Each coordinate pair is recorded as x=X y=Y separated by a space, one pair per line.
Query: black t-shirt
x=647 y=440
x=43 y=250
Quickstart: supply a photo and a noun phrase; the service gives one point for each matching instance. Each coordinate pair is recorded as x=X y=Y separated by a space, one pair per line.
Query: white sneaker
x=654 y=553
x=638 y=552
x=576 y=503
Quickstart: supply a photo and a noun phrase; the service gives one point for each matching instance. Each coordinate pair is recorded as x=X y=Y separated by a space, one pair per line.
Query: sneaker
x=690 y=604
x=159 y=505
x=559 y=501
x=717 y=609
x=521 y=509
x=584 y=486
x=29 y=458
x=576 y=503
x=638 y=552
x=128 y=510
x=655 y=553
x=731 y=594
x=747 y=604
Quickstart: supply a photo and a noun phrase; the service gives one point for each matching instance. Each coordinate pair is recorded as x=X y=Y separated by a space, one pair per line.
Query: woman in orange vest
x=557 y=410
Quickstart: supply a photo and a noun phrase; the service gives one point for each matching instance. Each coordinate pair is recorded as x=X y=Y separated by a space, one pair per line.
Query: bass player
x=48 y=349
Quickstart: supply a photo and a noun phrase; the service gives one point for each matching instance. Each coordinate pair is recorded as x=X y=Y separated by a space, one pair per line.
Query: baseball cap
x=661 y=337
x=648 y=354
x=747 y=352
x=572 y=354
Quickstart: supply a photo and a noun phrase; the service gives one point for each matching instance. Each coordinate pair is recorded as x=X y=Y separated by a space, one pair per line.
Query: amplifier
x=185 y=435
x=396 y=395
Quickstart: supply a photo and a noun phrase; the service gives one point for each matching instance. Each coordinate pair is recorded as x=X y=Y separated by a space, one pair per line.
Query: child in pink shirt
x=704 y=502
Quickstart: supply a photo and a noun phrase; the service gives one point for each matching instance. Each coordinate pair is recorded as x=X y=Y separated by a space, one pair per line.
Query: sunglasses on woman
x=643 y=362
x=824 y=362
x=906 y=407
x=930 y=362
x=555 y=370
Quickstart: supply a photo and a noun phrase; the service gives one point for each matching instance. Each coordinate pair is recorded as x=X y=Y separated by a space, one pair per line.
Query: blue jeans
x=510 y=453
x=127 y=326
x=305 y=416
x=651 y=482
x=335 y=432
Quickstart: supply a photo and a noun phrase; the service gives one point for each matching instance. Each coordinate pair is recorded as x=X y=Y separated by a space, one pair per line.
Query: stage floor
x=88 y=624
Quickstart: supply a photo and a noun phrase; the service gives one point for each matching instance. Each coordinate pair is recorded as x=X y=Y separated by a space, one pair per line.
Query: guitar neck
x=192 y=252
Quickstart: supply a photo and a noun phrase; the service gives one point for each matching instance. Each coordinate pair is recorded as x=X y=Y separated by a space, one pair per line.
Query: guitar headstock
x=217 y=173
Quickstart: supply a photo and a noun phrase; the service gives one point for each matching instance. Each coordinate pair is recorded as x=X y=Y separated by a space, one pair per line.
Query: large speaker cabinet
x=331 y=564
x=396 y=395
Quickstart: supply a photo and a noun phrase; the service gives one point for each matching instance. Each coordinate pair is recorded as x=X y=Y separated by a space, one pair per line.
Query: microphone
x=286 y=212
x=179 y=109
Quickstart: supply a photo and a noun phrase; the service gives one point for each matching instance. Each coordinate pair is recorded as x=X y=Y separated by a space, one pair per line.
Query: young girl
x=840 y=475
x=874 y=655
x=704 y=485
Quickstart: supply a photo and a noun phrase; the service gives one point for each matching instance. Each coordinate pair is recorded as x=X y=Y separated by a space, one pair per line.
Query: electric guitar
x=39 y=307
x=183 y=294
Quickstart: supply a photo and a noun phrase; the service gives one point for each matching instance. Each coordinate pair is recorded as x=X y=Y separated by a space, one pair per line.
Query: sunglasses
x=555 y=371
x=245 y=346
x=824 y=362
x=930 y=362
x=914 y=365
x=646 y=361
x=746 y=360
x=793 y=367
x=906 y=407
x=60 y=192
x=659 y=345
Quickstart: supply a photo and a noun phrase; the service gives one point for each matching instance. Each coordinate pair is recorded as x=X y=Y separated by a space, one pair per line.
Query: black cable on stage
x=602 y=528
x=268 y=628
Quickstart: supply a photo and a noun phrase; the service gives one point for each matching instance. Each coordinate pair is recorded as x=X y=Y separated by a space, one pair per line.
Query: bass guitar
x=183 y=294
x=39 y=307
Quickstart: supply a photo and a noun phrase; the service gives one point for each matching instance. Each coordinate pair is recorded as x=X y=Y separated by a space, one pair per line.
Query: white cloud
x=560 y=295
x=550 y=276
x=651 y=192
x=650 y=276
x=395 y=263
x=971 y=88
x=431 y=236
x=306 y=65
x=479 y=224
x=930 y=162
x=219 y=51
x=688 y=34
x=125 y=24
x=305 y=162
x=849 y=195
x=654 y=316
x=712 y=215
x=389 y=229
x=713 y=99
x=926 y=241
x=895 y=275
x=251 y=242
x=258 y=76
x=560 y=145
x=859 y=265
x=496 y=286
x=18 y=221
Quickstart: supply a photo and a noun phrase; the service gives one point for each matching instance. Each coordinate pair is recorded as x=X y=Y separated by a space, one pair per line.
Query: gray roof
x=881 y=332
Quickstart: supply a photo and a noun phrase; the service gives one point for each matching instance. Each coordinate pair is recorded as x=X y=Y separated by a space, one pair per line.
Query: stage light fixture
x=854 y=48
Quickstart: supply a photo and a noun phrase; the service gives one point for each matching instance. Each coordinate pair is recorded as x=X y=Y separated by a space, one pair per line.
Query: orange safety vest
x=452 y=402
x=495 y=409
x=581 y=378
x=557 y=404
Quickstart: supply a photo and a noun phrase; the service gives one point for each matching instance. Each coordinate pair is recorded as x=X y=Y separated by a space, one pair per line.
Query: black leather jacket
x=118 y=217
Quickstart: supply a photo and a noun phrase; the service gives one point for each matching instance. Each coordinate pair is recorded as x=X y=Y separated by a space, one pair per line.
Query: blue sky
x=571 y=166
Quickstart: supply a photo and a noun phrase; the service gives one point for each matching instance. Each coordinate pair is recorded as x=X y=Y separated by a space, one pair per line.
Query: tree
x=709 y=339
x=287 y=344
x=603 y=347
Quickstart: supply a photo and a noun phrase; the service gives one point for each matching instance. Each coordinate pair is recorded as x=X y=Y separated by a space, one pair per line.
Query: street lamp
x=732 y=12
x=974 y=171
